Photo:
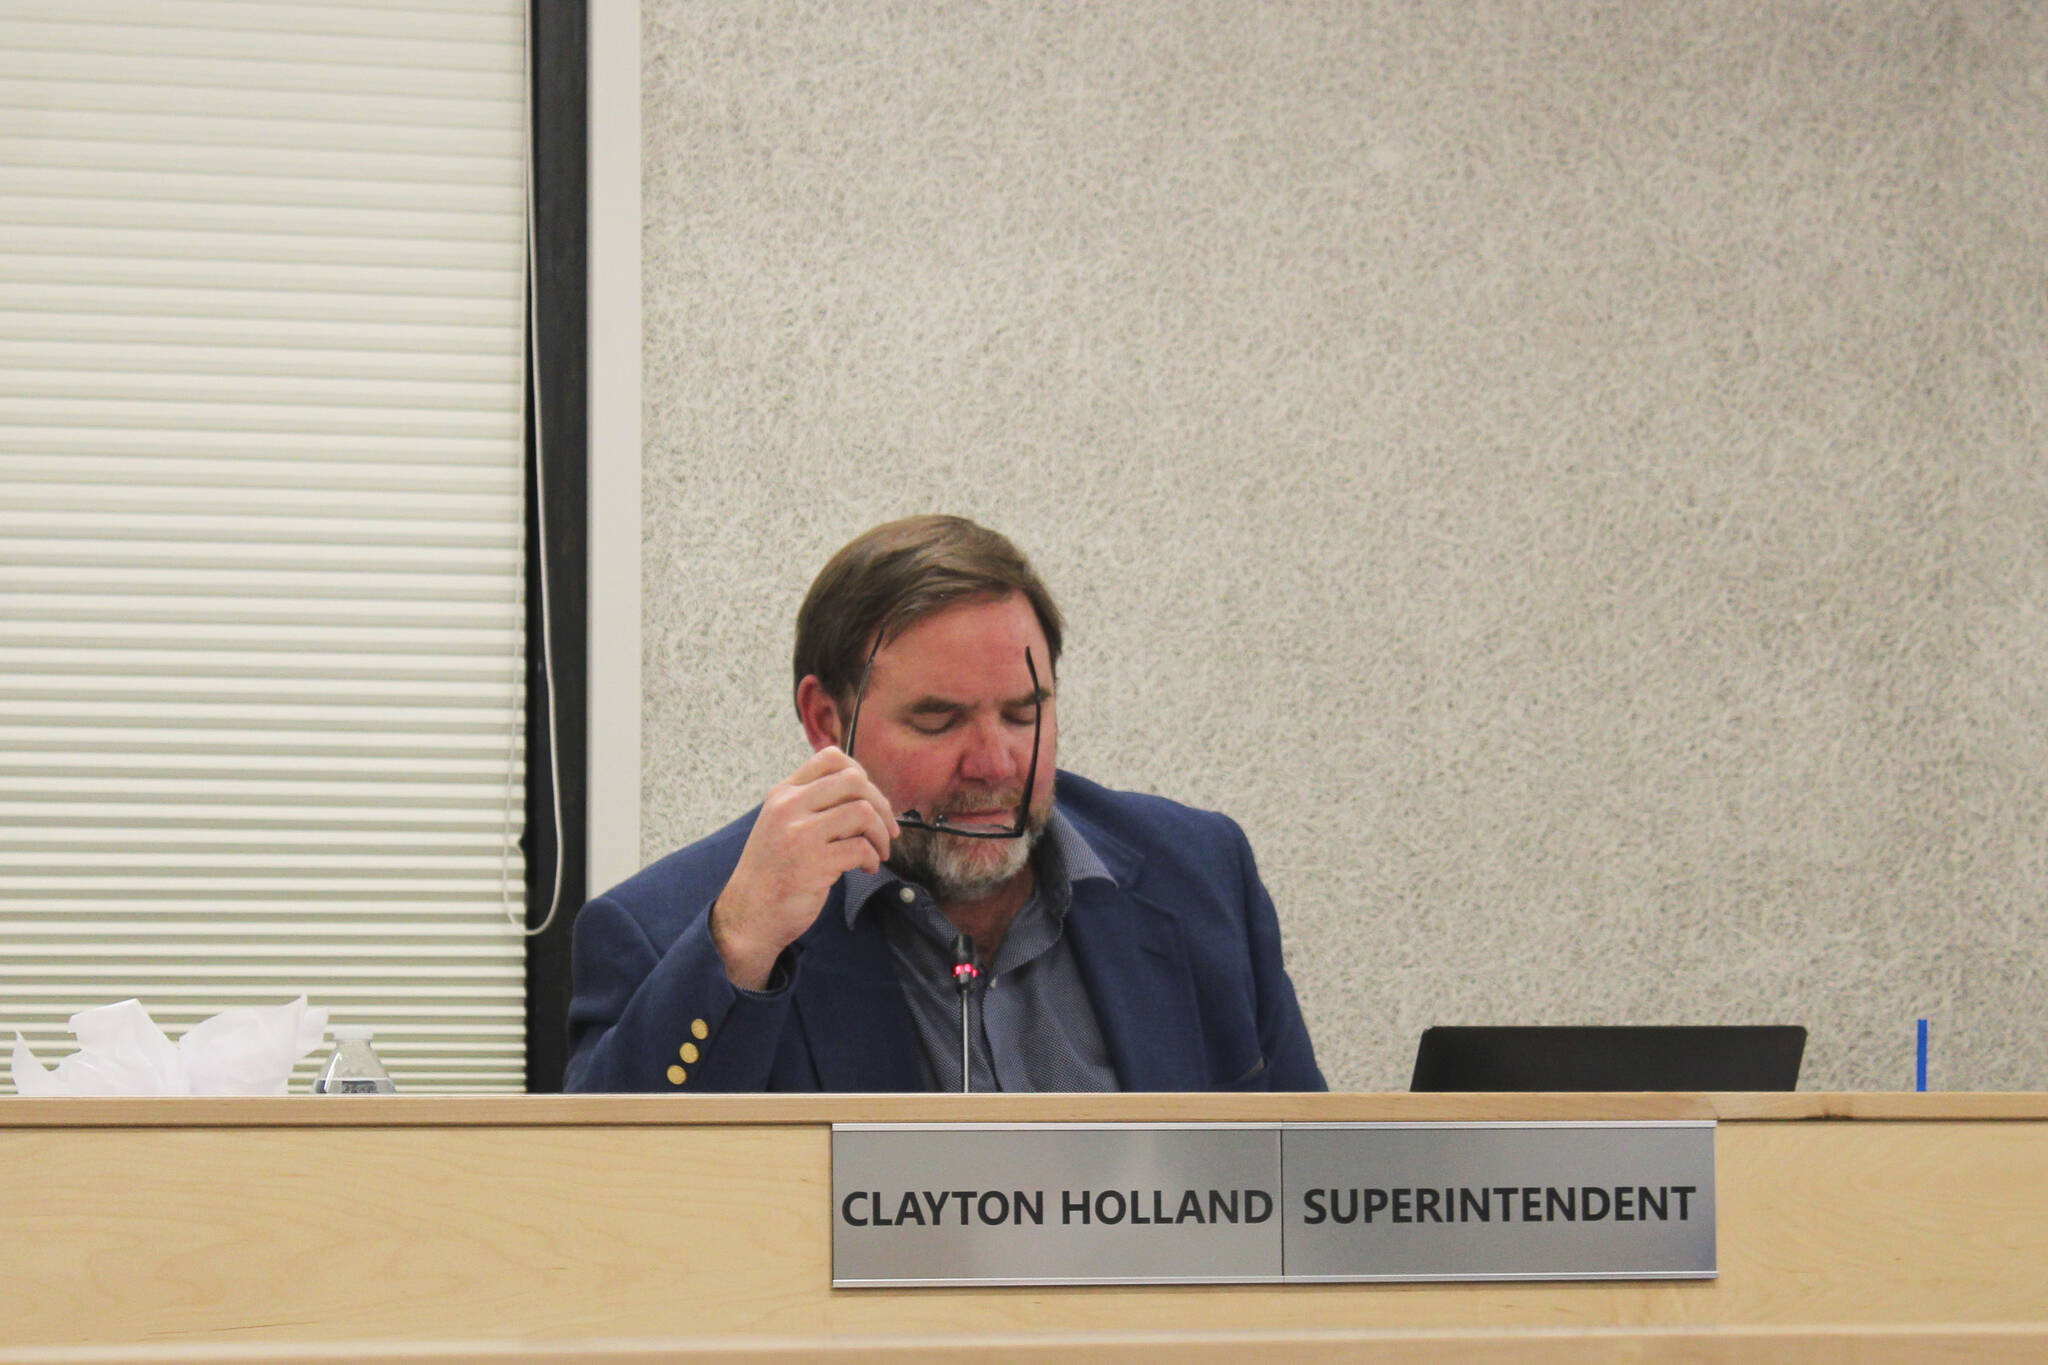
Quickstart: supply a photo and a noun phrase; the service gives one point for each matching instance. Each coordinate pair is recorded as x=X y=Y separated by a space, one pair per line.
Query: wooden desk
x=1852 y=1227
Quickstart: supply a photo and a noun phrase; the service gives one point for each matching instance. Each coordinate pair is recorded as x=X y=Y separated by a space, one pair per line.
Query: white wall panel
x=1567 y=476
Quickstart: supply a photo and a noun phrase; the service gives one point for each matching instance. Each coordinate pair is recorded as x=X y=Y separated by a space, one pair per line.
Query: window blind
x=262 y=326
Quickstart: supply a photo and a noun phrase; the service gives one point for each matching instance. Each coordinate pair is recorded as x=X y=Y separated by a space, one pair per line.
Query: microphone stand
x=965 y=972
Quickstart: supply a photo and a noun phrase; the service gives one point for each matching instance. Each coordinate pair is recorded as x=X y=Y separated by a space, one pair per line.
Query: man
x=1113 y=941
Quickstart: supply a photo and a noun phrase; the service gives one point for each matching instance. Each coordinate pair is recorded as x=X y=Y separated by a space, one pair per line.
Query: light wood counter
x=1869 y=1227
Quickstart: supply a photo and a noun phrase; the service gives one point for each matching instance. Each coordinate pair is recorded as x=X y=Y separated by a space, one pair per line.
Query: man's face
x=945 y=730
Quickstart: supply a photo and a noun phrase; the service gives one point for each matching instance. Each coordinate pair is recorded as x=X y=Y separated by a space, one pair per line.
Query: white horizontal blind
x=261 y=385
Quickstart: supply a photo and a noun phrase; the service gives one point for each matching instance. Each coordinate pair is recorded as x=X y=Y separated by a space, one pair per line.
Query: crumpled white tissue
x=248 y=1050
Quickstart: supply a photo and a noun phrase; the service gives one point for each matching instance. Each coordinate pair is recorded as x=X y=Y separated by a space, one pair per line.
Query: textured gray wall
x=1569 y=478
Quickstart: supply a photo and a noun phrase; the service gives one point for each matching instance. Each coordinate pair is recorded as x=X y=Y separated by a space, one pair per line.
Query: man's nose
x=990 y=755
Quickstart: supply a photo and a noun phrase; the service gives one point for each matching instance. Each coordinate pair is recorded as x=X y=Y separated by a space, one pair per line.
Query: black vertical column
x=557 y=484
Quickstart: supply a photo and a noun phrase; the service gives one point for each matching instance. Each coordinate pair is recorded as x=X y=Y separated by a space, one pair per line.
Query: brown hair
x=897 y=574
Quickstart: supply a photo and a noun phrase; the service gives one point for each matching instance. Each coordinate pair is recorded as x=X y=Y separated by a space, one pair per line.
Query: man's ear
x=818 y=712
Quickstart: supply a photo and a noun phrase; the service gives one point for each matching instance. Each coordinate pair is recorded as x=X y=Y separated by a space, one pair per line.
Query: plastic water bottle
x=353 y=1069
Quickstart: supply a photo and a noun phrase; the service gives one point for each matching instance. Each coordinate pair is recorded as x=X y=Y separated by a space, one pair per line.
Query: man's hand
x=822 y=821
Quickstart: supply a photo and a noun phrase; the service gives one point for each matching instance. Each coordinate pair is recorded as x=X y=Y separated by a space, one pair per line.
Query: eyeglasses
x=910 y=819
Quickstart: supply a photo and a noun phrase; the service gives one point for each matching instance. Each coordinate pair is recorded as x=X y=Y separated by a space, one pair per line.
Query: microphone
x=965 y=974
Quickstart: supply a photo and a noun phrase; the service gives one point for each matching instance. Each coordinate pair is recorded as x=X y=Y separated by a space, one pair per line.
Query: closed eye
x=933 y=717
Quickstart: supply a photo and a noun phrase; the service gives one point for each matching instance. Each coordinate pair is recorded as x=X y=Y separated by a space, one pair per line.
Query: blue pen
x=1920 y=1071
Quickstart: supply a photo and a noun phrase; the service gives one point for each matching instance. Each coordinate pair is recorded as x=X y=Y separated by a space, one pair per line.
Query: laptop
x=1610 y=1057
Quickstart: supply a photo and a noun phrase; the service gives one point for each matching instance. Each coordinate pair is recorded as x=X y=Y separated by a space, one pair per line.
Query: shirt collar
x=1075 y=854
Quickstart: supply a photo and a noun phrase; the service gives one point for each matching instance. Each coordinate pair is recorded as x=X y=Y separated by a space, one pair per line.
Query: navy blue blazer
x=1181 y=957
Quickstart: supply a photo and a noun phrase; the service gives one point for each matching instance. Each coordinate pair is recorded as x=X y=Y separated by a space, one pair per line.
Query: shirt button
x=906 y=894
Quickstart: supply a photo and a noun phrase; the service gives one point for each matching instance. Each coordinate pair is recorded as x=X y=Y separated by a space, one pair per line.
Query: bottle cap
x=353 y=1033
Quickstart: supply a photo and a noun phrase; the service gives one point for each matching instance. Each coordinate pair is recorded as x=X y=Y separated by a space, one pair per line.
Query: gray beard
x=956 y=869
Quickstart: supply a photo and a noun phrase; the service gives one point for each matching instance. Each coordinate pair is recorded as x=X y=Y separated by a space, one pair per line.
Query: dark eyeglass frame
x=910 y=819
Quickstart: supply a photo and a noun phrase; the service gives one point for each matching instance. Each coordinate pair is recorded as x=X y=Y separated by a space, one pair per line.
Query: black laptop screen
x=1610 y=1057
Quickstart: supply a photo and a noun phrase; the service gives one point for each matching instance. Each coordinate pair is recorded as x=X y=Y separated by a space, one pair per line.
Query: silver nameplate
x=1022 y=1204
x=1055 y=1204
x=1486 y=1201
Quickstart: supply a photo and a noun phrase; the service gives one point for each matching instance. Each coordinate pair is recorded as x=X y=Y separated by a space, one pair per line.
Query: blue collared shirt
x=1030 y=1023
